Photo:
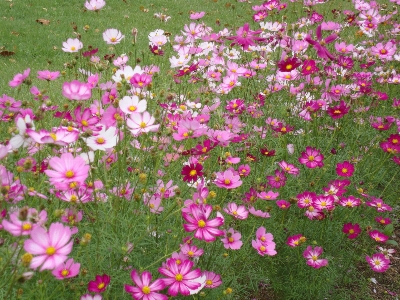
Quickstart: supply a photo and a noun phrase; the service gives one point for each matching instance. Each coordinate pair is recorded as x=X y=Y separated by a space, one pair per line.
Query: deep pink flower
x=228 y=179
x=378 y=262
x=338 y=111
x=192 y=172
x=197 y=218
x=278 y=180
x=383 y=221
x=319 y=44
x=51 y=247
x=288 y=64
x=180 y=277
x=68 y=172
x=232 y=240
x=283 y=204
x=352 y=230
x=378 y=236
x=312 y=256
x=66 y=270
x=246 y=37
x=76 y=90
x=19 y=78
x=345 y=169
x=312 y=158
x=295 y=240
x=100 y=284
x=145 y=290
x=140 y=80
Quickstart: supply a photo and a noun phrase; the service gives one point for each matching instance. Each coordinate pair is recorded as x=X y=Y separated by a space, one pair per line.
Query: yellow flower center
x=178 y=277
x=351 y=231
x=209 y=282
x=314 y=257
x=101 y=285
x=344 y=170
x=113 y=39
x=50 y=250
x=192 y=173
x=100 y=140
x=311 y=158
x=201 y=224
x=69 y=174
x=142 y=125
x=73 y=198
x=26 y=226
x=132 y=108
x=190 y=253
x=53 y=136
x=84 y=123
x=377 y=263
x=289 y=67
x=231 y=240
x=262 y=249
x=146 y=290
x=73 y=48
x=64 y=273
x=227 y=181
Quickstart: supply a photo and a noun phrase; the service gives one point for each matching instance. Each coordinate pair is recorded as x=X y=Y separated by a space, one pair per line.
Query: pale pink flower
x=130 y=105
x=197 y=15
x=95 y=4
x=72 y=45
x=59 y=136
x=139 y=123
x=51 y=247
x=76 y=90
x=112 y=36
x=23 y=221
x=19 y=78
x=238 y=212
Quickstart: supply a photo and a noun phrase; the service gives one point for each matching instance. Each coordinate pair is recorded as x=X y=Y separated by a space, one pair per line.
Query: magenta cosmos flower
x=145 y=290
x=352 y=230
x=68 y=171
x=192 y=172
x=100 y=284
x=378 y=236
x=345 y=169
x=212 y=280
x=312 y=158
x=312 y=256
x=378 y=262
x=112 y=36
x=180 y=277
x=246 y=37
x=51 y=248
x=76 y=90
x=228 y=179
x=19 y=78
x=66 y=270
x=197 y=218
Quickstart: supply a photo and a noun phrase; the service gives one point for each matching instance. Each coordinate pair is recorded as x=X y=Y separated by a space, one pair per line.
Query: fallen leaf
x=43 y=21
x=6 y=53
x=15 y=33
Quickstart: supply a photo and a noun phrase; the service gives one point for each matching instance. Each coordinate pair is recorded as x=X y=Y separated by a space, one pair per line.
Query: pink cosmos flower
x=100 y=284
x=90 y=297
x=229 y=179
x=238 y=212
x=258 y=213
x=19 y=78
x=140 y=80
x=48 y=75
x=197 y=15
x=212 y=280
x=384 y=52
x=289 y=168
x=295 y=240
x=95 y=5
x=270 y=195
x=145 y=289
x=22 y=222
x=232 y=240
x=264 y=249
x=278 y=180
x=345 y=169
x=112 y=36
x=378 y=236
x=379 y=204
x=180 y=277
x=76 y=90
x=352 y=230
x=378 y=262
x=246 y=37
x=283 y=204
x=67 y=171
x=59 y=136
x=312 y=256
x=72 y=45
x=338 y=111
x=66 y=270
x=197 y=218
x=383 y=221
x=191 y=251
x=139 y=123
x=51 y=247
x=350 y=201
x=312 y=158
